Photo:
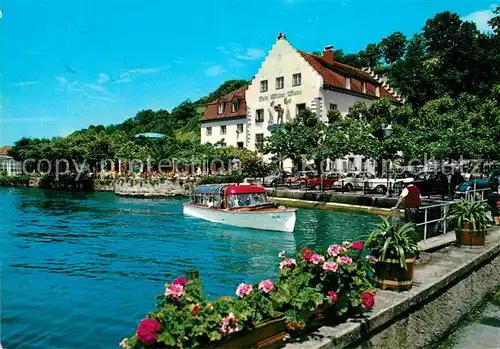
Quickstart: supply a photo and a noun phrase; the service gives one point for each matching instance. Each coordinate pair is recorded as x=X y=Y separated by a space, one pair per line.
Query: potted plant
x=316 y=287
x=185 y=318
x=394 y=248
x=470 y=219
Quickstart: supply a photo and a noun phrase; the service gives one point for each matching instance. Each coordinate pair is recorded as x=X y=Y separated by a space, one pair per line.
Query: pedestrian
x=410 y=197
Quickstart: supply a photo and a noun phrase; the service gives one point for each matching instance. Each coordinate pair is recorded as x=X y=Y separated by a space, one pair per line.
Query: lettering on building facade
x=280 y=95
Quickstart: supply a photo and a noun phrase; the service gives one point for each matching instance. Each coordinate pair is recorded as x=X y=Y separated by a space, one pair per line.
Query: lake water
x=81 y=270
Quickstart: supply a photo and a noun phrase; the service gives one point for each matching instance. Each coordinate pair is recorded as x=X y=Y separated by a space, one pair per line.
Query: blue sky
x=67 y=64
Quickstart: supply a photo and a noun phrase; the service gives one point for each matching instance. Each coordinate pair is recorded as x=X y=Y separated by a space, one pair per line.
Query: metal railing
x=472 y=194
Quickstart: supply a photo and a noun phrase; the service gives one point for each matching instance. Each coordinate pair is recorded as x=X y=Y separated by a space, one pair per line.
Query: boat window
x=246 y=200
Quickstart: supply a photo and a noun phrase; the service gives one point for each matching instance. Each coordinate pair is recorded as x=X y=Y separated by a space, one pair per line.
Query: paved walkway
x=484 y=332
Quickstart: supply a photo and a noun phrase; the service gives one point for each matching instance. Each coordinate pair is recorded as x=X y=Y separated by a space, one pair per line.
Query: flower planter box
x=314 y=319
x=389 y=275
x=467 y=237
x=270 y=335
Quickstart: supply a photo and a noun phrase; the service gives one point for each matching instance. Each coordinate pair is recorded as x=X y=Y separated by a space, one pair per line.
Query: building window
x=235 y=105
x=333 y=106
x=280 y=83
x=348 y=83
x=299 y=108
x=209 y=131
x=239 y=128
x=263 y=86
x=259 y=139
x=240 y=144
x=223 y=130
x=297 y=79
x=259 y=116
x=221 y=108
x=363 y=86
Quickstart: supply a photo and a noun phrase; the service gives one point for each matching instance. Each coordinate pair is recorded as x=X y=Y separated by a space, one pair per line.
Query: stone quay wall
x=147 y=188
x=448 y=285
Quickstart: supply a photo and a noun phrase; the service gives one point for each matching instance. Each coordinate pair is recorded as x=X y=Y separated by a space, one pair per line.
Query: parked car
x=379 y=185
x=467 y=187
x=300 y=178
x=432 y=183
x=277 y=178
x=328 y=180
x=353 y=180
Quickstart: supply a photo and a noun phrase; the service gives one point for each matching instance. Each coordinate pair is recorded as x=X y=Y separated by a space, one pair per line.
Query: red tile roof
x=334 y=76
x=212 y=112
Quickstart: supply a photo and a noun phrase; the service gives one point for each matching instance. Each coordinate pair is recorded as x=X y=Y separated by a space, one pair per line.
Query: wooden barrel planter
x=389 y=275
x=467 y=237
x=270 y=334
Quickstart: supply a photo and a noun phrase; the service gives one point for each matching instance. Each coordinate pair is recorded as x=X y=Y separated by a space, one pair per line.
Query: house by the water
x=288 y=81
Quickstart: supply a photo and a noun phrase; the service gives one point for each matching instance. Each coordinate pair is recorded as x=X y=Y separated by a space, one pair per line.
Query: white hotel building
x=291 y=80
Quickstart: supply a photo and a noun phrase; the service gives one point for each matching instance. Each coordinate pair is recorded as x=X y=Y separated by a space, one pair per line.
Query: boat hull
x=276 y=220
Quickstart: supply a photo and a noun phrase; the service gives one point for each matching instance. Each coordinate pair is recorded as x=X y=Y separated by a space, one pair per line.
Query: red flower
x=146 y=333
x=367 y=300
x=308 y=256
x=357 y=245
x=196 y=309
x=333 y=295
x=304 y=250
x=180 y=281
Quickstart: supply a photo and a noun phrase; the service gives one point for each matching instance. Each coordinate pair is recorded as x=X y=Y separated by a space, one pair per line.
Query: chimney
x=328 y=54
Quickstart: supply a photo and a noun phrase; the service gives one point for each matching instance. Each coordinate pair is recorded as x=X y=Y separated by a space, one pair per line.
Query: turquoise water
x=80 y=270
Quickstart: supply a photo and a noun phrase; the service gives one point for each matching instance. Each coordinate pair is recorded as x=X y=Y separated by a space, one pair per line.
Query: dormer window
x=348 y=83
x=363 y=86
x=221 y=107
x=235 y=105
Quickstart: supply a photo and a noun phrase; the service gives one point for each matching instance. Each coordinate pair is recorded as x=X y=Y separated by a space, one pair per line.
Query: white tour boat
x=239 y=205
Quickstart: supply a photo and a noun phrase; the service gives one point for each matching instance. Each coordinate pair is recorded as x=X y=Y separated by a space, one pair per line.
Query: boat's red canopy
x=245 y=189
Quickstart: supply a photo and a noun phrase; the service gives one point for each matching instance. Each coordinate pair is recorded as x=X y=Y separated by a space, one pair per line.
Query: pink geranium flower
x=304 y=250
x=229 y=324
x=334 y=250
x=281 y=254
x=288 y=263
x=344 y=260
x=357 y=245
x=330 y=266
x=146 y=333
x=175 y=290
x=367 y=300
x=180 y=281
x=266 y=286
x=332 y=295
x=317 y=258
x=196 y=309
x=308 y=256
x=372 y=259
x=243 y=289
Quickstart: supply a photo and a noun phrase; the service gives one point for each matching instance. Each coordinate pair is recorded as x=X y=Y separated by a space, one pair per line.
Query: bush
x=232 y=178
x=14 y=181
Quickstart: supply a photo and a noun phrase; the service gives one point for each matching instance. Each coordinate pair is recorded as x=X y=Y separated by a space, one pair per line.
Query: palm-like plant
x=476 y=214
x=394 y=241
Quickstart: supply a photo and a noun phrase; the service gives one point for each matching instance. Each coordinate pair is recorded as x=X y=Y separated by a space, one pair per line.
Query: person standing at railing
x=411 y=198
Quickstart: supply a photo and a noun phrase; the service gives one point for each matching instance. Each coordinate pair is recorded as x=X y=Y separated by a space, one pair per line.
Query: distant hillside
x=182 y=123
